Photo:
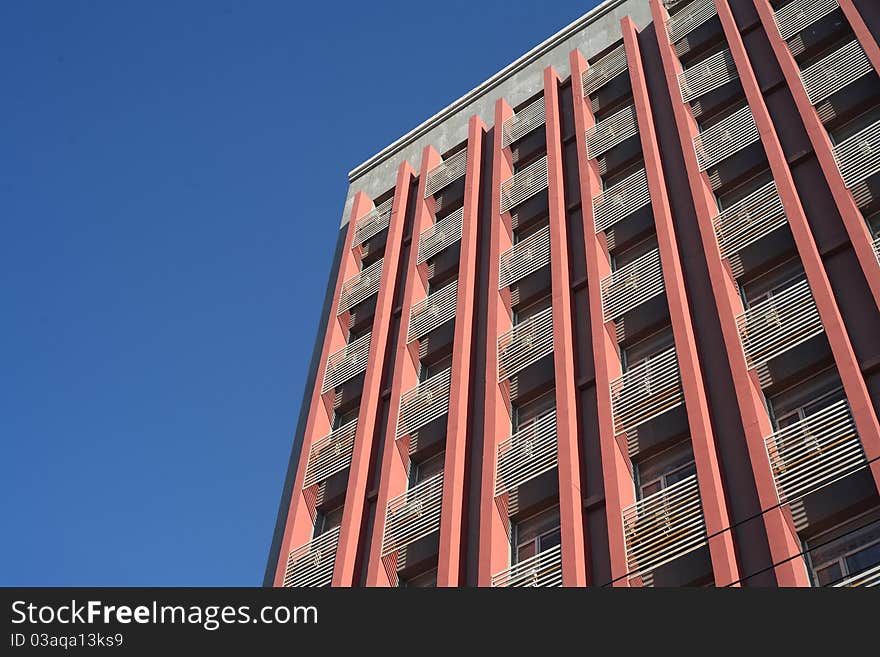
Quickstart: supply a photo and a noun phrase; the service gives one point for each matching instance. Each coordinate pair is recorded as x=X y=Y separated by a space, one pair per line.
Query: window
x=622 y=258
x=341 y=419
x=665 y=469
x=327 y=520
x=419 y=472
x=523 y=314
x=523 y=414
x=771 y=283
x=845 y=551
x=354 y=335
x=805 y=399
x=535 y=535
x=654 y=344
x=427 y=579
x=427 y=370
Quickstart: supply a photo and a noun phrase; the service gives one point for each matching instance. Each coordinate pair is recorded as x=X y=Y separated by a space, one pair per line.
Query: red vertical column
x=300 y=518
x=715 y=512
x=619 y=488
x=574 y=571
x=846 y=204
x=494 y=548
x=356 y=491
x=452 y=513
x=782 y=538
x=393 y=477
x=863 y=34
x=841 y=348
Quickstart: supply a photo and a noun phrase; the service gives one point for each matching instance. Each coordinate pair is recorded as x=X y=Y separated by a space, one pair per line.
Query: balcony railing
x=524 y=258
x=877 y=248
x=867 y=578
x=437 y=309
x=815 y=452
x=524 y=184
x=632 y=285
x=782 y=322
x=347 y=363
x=528 y=453
x=424 y=403
x=372 y=223
x=835 y=71
x=664 y=526
x=800 y=14
x=413 y=514
x=646 y=391
x=442 y=234
x=330 y=454
x=610 y=132
x=690 y=18
x=725 y=138
x=543 y=569
x=603 y=71
x=525 y=344
x=858 y=157
x=523 y=122
x=361 y=287
x=710 y=74
x=312 y=564
x=446 y=173
x=621 y=200
x=748 y=220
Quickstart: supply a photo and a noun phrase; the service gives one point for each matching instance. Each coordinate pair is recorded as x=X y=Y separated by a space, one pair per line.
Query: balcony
x=413 y=514
x=868 y=578
x=524 y=258
x=527 y=454
x=782 y=322
x=312 y=564
x=725 y=138
x=437 y=309
x=361 y=287
x=858 y=157
x=835 y=71
x=523 y=122
x=524 y=184
x=800 y=14
x=610 y=132
x=632 y=285
x=603 y=71
x=710 y=74
x=373 y=223
x=646 y=391
x=347 y=363
x=446 y=173
x=877 y=248
x=690 y=18
x=815 y=452
x=525 y=344
x=442 y=234
x=621 y=200
x=330 y=454
x=425 y=403
x=543 y=569
x=748 y=220
x=664 y=526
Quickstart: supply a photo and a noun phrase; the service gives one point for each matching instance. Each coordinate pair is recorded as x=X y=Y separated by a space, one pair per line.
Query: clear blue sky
x=171 y=181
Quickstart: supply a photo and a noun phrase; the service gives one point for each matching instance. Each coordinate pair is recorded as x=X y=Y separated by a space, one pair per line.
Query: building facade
x=611 y=319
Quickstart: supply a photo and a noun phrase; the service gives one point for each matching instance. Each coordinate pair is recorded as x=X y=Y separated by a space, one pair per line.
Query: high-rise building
x=611 y=319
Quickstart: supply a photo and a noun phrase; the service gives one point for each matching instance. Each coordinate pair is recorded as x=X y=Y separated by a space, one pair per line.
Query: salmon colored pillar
x=784 y=545
x=494 y=547
x=574 y=570
x=844 y=356
x=619 y=487
x=393 y=478
x=855 y=225
x=863 y=34
x=300 y=518
x=721 y=548
x=452 y=515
